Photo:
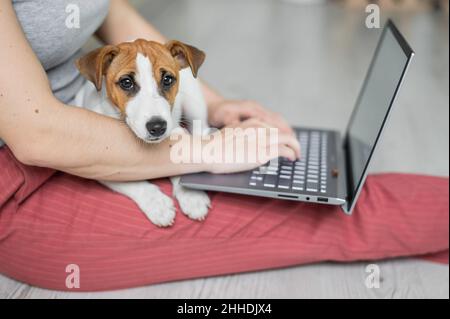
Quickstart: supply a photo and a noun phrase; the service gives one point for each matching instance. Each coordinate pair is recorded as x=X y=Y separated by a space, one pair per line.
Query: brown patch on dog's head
x=117 y=64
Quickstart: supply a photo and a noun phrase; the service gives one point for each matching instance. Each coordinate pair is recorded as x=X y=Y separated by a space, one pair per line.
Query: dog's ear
x=186 y=55
x=94 y=64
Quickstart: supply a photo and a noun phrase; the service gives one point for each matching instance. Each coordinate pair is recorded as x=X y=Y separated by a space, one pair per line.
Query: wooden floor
x=308 y=62
x=399 y=279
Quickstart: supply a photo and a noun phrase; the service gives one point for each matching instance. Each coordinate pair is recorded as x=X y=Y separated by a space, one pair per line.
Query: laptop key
x=270 y=180
x=298 y=183
x=312 y=187
x=269 y=173
x=284 y=184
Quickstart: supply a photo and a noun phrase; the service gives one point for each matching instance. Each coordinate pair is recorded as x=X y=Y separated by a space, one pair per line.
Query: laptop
x=333 y=168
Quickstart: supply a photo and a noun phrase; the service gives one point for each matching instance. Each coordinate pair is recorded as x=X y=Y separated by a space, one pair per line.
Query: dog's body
x=139 y=110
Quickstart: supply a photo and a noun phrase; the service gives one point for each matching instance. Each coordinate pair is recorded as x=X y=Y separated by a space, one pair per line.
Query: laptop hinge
x=345 y=181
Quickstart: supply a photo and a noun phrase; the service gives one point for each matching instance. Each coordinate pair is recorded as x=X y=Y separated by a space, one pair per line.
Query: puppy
x=149 y=86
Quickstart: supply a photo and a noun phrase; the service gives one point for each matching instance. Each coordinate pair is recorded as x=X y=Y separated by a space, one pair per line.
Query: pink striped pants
x=49 y=220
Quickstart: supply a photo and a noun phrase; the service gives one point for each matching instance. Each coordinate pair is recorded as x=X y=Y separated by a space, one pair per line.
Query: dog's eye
x=126 y=83
x=167 y=81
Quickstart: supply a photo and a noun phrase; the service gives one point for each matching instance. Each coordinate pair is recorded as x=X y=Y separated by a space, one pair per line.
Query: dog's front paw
x=193 y=203
x=158 y=207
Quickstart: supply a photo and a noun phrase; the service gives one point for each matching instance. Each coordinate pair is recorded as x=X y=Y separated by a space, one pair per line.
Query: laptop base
x=316 y=177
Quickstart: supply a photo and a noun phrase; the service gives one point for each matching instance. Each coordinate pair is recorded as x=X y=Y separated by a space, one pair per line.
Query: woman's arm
x=42 y=131
x=124 y=23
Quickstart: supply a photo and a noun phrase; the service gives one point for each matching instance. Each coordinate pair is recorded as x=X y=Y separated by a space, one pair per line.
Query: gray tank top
x=56 y=35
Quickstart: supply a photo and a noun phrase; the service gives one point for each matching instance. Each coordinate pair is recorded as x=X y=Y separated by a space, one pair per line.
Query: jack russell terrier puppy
x=148 y=85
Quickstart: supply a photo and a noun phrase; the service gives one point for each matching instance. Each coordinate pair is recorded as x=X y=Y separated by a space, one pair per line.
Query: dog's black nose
x=156 y=126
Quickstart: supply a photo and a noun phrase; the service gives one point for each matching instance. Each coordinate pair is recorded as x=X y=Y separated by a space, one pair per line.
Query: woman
x=49 y=220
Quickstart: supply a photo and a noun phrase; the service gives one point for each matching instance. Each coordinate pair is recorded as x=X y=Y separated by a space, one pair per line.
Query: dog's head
x=141 y=79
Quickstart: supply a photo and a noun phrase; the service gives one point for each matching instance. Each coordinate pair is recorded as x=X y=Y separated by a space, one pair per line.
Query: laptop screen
x=382 y=82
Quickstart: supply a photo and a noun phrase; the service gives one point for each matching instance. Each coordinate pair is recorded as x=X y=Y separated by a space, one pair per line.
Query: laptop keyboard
x=307 y=174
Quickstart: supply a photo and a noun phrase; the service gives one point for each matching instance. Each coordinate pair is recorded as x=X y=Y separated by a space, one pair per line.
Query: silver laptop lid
x=380 y=88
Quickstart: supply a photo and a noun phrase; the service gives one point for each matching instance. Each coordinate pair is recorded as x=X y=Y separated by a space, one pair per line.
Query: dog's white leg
x=155 y=204
x=193 y=203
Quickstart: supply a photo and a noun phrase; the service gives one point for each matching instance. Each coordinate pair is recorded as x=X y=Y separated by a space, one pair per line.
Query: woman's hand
x=253 y=145
x=229 y=112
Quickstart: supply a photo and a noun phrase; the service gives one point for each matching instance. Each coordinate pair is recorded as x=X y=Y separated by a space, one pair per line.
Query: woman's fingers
x=253 y=109
x=228 y=112
x=273 y=137
x=254 y=123
x=281 y=123
x=285 y=151
x=291 y=142
x=283 y=138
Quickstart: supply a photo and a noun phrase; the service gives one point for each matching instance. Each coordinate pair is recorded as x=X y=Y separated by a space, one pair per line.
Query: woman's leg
x=68 y=220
